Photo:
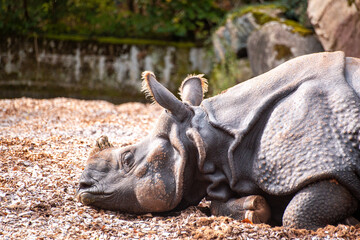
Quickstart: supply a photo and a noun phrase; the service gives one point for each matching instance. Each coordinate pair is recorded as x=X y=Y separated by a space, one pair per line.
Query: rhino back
x=352 y=73
x=239 y=107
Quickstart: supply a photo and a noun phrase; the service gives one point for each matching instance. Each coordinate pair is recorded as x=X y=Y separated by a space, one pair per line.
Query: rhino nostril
x=84 y=185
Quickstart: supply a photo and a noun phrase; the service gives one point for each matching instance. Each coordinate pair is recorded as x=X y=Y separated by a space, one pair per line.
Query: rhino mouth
x=109 y=201
x=89 y=194
x=86 y=198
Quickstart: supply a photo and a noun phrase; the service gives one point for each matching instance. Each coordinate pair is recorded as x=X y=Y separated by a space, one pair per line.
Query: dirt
x=44 y=145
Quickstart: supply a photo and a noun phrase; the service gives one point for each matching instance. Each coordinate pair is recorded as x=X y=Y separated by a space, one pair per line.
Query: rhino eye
x=127 y=160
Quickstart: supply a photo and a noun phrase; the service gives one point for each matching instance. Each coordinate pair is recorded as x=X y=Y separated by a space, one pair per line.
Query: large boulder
x=230 y=44
x=337 y=24
x=231 y=37
x=277 y=42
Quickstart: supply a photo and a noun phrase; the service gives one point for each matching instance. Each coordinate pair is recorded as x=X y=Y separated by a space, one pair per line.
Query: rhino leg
x=318 y=205
x=253 y=208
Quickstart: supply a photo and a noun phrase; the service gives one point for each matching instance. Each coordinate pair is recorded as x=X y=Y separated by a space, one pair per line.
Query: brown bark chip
x=44 y=145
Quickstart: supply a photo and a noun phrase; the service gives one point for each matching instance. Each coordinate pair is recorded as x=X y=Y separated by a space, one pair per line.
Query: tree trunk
x=26 y=13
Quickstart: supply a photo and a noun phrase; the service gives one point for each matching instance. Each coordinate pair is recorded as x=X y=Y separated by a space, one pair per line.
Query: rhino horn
x=163 y=96
x=193 y=88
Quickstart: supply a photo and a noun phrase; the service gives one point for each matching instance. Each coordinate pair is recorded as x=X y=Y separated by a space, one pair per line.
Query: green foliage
x=172 y=20
x=155 y=19
x=296 y=10
x=256 y=8
x=229 y=73
x=262 y=18
x=115 y=40
x=298 y=28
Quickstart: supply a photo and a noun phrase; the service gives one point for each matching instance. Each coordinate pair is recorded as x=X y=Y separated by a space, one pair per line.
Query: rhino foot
x=253 y=208
x=101 y=144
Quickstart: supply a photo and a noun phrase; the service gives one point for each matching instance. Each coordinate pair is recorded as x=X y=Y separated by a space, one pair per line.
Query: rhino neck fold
x=211 y=145
x=179 y=165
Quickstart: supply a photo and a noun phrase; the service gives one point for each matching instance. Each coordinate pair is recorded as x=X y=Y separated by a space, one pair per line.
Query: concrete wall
x=39 y=67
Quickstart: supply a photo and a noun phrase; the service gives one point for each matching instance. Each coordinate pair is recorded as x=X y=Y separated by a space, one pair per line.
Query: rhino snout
x=84 y=193
x=85 y=198
x=86 y=183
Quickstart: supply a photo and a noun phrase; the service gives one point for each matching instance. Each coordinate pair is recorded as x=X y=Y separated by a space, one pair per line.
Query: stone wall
x=43 y=67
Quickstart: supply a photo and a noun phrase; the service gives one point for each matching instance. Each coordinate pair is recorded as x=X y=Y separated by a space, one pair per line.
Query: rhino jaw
x=154 y=195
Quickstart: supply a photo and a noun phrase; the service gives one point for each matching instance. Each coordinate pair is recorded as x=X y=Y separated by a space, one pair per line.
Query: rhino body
x=290 y=136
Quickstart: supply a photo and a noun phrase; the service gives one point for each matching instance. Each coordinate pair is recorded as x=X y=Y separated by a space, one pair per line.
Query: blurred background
x=97 y=49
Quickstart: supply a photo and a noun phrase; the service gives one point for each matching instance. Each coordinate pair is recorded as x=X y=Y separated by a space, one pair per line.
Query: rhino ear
x=163 y=96
x=193 y=88
x=100 y=144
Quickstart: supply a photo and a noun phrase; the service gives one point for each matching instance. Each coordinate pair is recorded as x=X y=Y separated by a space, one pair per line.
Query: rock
x=230 y=44
x=277 y=42
x=337 y=25
x=233 y=35
x=231 y=38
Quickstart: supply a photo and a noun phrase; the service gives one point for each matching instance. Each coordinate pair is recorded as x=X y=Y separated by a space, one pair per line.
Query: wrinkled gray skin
x=289 y=138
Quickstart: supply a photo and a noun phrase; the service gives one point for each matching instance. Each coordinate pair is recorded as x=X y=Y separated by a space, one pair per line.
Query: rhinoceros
x=281 y=148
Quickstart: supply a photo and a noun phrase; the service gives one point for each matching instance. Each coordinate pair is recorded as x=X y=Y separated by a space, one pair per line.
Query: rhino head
x=152 y=175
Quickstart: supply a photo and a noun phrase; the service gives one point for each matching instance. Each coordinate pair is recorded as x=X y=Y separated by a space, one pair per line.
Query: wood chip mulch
x=43 y=148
